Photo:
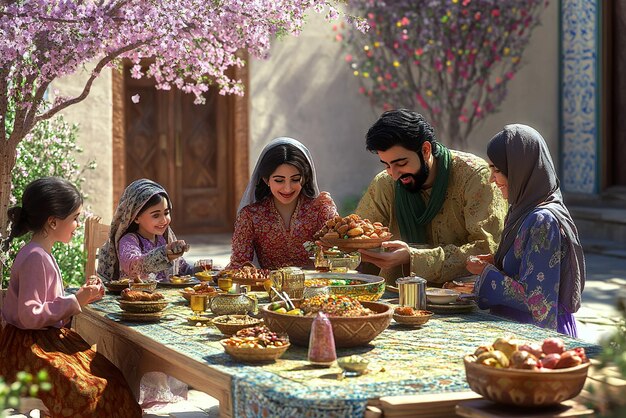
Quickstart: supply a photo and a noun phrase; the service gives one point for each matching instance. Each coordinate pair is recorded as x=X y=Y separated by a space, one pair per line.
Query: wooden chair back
x=96 y=234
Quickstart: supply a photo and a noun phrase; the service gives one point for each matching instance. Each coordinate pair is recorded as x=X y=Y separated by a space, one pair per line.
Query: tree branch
x=94 y=74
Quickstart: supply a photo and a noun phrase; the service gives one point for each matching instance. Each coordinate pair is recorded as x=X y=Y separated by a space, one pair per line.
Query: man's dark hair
x=399 y=127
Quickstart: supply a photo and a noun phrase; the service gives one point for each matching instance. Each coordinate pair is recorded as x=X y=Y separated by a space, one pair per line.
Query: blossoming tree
x=192 y=43
x=449 y=59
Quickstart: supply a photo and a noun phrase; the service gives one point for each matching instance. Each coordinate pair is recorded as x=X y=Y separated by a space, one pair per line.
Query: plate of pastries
x=352 y=232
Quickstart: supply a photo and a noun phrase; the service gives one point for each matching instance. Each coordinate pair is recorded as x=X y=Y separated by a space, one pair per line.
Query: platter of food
x=364 y=287
x=248 y=274
x=352 y=232
x=203 y=288
x=179 y=281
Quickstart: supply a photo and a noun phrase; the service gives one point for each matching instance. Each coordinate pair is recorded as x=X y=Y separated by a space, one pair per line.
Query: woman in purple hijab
x=538 y=272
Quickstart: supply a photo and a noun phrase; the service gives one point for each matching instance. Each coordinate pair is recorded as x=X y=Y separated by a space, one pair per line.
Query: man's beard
x=419 y=178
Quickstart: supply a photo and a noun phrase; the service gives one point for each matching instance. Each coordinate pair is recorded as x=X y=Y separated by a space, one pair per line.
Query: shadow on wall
x=306 y=91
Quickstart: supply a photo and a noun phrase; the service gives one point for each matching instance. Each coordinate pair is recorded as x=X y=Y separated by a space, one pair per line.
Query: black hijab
x=522 y=154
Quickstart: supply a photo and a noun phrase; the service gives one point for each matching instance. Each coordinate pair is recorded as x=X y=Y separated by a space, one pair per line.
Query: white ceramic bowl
x=438 y=296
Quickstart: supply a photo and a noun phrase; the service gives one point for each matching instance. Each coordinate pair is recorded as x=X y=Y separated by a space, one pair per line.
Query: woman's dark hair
x=399 y=127
x=154 y=200
x=42 y=198
x=284 y=154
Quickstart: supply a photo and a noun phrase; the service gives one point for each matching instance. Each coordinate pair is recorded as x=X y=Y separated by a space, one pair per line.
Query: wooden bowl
x=527 y=388
x=143 y=306
x=413 y=320
x=116 y=286
x=254 y=355
x=228 y=324
x=348 y=332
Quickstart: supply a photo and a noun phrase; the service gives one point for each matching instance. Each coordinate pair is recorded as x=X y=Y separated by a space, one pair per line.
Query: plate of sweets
x=203 y=288
x=179 y=281
x=408 y=316
x=247 y=274
x=351 y=233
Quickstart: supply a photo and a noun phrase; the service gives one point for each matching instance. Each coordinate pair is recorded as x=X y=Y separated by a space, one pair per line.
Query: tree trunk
x=7 y=162
x=455 y=134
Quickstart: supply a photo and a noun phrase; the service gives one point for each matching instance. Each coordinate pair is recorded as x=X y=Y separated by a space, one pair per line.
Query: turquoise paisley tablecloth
x=403 y=361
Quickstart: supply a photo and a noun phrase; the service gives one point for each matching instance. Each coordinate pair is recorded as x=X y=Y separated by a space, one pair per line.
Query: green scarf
x=412 y=212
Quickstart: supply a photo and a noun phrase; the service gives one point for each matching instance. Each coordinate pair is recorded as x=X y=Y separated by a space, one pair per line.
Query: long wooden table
x=426 y=362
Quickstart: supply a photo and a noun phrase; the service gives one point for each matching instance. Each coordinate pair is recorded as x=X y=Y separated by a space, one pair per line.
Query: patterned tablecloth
x=403 y=361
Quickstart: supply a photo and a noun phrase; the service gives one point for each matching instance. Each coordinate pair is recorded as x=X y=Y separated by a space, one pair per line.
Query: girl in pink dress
x=281 y=209
x=37 y=312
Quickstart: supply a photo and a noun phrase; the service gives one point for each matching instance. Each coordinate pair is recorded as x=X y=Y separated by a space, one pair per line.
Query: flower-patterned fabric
x=469 y=222
x=140 y=256
x=259 y=228
x=528 y=289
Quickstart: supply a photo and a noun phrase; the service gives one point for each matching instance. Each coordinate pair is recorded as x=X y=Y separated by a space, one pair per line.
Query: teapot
x=232 y=304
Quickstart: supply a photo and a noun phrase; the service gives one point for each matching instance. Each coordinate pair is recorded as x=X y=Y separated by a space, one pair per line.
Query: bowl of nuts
x=256 y=345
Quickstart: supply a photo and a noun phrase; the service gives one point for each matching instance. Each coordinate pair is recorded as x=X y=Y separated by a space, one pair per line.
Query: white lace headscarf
x=249 y=195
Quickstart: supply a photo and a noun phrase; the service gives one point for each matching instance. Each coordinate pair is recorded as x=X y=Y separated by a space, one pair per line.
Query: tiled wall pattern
x=580 y=89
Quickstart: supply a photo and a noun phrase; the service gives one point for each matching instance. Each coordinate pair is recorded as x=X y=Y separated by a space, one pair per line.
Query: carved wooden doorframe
x=237 y=134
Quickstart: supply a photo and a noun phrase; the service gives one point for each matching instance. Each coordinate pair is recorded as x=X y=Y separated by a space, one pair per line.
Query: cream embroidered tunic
x=469 y=222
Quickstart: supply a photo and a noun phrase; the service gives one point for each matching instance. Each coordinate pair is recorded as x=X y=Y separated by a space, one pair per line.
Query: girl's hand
x=395 y=253
x=475 y=264
x=176 y=248
x=89 y=293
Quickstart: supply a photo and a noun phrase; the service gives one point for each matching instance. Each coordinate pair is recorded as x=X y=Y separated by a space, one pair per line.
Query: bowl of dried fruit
x=230 y=324
x=527 y=374
x=256 y=345
x=408 y=316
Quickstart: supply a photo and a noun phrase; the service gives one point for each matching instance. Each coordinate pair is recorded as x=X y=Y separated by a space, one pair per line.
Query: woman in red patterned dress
x=281 y=209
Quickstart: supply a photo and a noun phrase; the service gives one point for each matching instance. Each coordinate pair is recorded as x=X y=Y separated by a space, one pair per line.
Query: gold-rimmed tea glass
x=225 y=283
x=205 y=263
x=198 y=304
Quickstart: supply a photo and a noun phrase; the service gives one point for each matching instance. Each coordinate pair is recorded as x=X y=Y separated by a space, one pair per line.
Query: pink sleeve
x=243 y=240
x=41 y=302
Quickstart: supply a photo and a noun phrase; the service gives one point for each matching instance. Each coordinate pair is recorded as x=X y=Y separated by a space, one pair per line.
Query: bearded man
x=438 y=202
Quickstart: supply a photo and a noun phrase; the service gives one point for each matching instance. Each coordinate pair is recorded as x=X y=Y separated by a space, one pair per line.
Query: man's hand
x=395 y=253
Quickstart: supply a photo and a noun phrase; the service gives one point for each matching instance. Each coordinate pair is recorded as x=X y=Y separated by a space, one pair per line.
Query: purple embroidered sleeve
x=134 y=263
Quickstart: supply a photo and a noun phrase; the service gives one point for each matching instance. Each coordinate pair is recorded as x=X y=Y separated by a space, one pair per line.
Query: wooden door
x=193 y=151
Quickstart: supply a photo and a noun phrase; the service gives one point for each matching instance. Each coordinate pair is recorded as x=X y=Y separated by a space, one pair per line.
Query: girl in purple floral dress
x=141 y=240
x=538 y=273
